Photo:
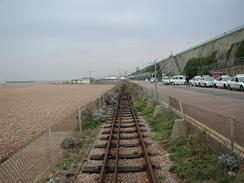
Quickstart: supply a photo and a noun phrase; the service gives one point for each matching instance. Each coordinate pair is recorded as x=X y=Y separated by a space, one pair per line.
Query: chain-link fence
x=33 y=161
x=227 y=131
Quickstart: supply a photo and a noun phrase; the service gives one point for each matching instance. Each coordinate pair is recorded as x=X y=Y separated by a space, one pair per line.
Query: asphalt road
x=221 y=101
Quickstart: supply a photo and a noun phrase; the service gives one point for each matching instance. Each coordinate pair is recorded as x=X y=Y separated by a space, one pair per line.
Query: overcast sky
x=64 y=39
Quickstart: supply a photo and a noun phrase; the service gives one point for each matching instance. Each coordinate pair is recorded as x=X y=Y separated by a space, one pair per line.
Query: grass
x=161 y=125
x=193 y=161
x=161 y=177
x=88 y=127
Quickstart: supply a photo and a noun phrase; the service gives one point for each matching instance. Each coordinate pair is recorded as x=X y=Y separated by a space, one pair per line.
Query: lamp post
x=155 y=86
x=155 y=83
x=90 y=75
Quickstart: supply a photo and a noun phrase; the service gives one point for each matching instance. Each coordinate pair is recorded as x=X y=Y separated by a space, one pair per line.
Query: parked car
x=236 y=82
x=221 y=81
x=194 y=80
x=166 y=80
x=178 y=80
x=153 y=80
x=206 y=81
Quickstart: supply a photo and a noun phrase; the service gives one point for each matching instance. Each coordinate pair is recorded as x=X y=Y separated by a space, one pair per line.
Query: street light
x=90 y=75
x=155 y=83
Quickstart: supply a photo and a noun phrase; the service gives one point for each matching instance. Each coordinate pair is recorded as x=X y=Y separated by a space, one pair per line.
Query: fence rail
x=227 y=131
x=221 y=65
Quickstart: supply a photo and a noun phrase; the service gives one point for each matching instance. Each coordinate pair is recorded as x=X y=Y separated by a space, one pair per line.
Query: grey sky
x=64 y=39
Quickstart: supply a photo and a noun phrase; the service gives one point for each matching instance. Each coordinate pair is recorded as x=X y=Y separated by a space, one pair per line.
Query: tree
x=240 y=50
x=193 y=65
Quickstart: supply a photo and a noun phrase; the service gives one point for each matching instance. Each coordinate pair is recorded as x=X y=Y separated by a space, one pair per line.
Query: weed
x=89 y=125
x=161 y=177
x=192 y=159
x=66 y=165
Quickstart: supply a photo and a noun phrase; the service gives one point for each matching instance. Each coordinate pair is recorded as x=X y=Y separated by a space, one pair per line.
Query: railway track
x=122 y=134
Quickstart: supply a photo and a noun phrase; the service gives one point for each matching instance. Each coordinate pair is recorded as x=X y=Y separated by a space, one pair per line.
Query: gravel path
x=25 y=111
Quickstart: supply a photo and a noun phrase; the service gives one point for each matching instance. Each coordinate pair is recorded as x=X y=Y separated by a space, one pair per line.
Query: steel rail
x=117 y=145
x=105 y=160
x=144 y=149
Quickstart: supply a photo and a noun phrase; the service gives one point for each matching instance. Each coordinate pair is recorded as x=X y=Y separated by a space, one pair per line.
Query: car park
x=221 y=81
x=166 y=80
x=236 y=82
x=178 y=80
x=206 y=81
x=194 y=80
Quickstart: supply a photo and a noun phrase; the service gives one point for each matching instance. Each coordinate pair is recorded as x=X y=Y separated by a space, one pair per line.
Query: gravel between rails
x=87 y=178
x=27 y=110
x=128 y=162
x=126 y=150
x=93 y=163
x=140 y=177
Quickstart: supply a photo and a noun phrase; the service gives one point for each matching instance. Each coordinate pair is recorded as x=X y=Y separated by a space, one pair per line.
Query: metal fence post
x=181 y=108
x=232 y=133
x=80 y=121
x=50 y=149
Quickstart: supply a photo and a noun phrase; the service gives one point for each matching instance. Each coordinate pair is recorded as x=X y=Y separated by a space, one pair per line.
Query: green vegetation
x=149 y=69
x=161 y=178
x=128 y=88
x=193 y=65
x=240 y=51
x=89 y=124
x=70 y=158
x=193 y=160
x=89 y=127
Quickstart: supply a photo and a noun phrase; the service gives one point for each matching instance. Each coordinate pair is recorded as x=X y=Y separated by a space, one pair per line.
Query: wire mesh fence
x=34 y=160
x=220 y=125
x=224 y=129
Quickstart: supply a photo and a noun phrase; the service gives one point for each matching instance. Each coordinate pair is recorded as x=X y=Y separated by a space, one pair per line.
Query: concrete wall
x=223 y=47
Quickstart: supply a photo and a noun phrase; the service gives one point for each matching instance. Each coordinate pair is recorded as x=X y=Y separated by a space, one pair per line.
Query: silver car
x=194 y=81
x=206 y=81
x=221 y=81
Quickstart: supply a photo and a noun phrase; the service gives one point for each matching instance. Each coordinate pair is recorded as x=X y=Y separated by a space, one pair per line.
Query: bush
x=192 y=67
x=240 y=50
x=230 y=161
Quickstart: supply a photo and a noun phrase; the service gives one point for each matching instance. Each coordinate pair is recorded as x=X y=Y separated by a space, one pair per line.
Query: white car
x=206 y=81
x=194 y=81
x=236 y=82
x=153 y=80
x=221 y=81
x=178 y=80
x=166 y=80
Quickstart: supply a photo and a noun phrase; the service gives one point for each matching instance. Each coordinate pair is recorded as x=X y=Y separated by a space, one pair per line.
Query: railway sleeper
x=114 y=145
x=124 y=122
x=124 y=131
x=121 y=156
x=125 y=169
x=125 y=126
x=123 y=137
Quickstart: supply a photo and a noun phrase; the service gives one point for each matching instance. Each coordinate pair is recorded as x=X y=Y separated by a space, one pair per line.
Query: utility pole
x=155 y=86
x=90 y=75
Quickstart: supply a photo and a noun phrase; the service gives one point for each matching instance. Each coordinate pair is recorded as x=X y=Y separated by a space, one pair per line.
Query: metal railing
x=221 y=65
x=227 y=131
